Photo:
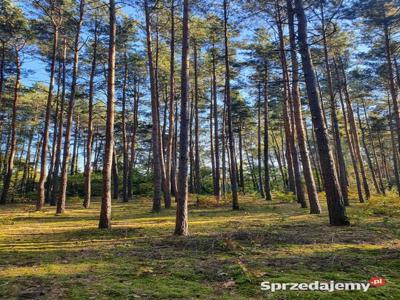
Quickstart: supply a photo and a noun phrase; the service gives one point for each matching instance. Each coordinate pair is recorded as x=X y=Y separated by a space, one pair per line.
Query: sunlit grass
x=226 y=256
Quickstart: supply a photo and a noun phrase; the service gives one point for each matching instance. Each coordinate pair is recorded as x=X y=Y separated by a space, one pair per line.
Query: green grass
x=227 y=255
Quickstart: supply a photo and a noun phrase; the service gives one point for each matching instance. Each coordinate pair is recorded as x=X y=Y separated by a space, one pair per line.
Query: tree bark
x=133 y=137
x=267 y=182
x=170 y=172
x=354 y=130
x=395 y=157
x=115 y=175
x=341 y=165
x=367 y=153
x=217 y=190
x=157 y=176
x=241 y=171
x=392 y=86
x=64 y=168
x=290 y=126
x=196 y=125
x=378 y=167
x=13 y=141
x=89 y=142
x=105 y=210
x=298 y=116
x=60 y=124
x=181 y=224
x=231 y=142
x=43 y=160
x=124 y=135
x=259 y=146
x=336 y=208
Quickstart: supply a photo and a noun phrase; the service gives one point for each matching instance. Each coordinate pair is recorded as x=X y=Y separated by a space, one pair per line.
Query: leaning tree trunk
x=367 y=153
x=351 y=150
x=354 y=131
x=336 y=208
x=305 y=159
x=105 y=210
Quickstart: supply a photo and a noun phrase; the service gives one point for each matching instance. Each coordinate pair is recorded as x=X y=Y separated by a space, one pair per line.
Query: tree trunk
x=174 y=188
x=89 y=142
x=2 y=62
x=217 y=190
x=181 y=224
x=336 y=208
x=298 y=116
x=75 y=148
x=115 y=176
x=43 y=160
x=60 y=124
x=392 y=86
x=267 y=182
x=341 y=165
x=124 y=137
x=378 y=167
x=211 y=135
x=351 y=150
x=49 y=181
x=169 y=171
x=196 y=125
x=13 y=141
x=278 y=157
x=241 y=171
x=25 y=175
x=105 y=210
x=260 y=179
x=395 y=157
x=367 y=154
x=223 y=139
x=157 y=176
x=133 y=137
x=353 y=130
x=231 y=142
x=64 y=168
x=290 y=126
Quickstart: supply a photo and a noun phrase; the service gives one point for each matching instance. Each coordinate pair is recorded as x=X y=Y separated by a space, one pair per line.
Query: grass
x=227 y=255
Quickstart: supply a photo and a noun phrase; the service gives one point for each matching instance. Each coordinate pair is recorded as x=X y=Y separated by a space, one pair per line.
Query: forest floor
x=227 y=255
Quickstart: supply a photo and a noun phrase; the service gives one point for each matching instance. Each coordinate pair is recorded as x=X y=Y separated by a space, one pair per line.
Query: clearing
x=227 y=256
